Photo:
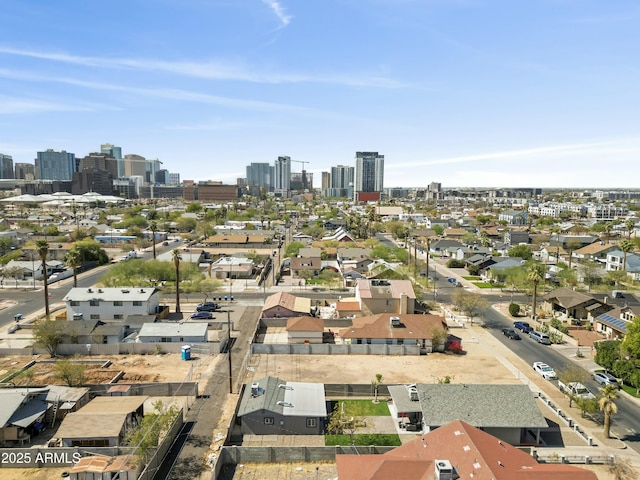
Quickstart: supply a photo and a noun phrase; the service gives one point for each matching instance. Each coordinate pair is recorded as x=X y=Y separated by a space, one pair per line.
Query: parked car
x=165 y=244
x=207 y=307
x=545 y=370
x=604 y=379
x=202 y=315
x=576 y=389
x=523 y=326
x=540 y=337
x=510 y=333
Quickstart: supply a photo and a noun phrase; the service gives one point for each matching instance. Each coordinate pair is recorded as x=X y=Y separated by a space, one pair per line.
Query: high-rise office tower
x=326 y=182
x=260 y=175
x=368 y=176
x=6 y=166
x=52 y=165
x=135 y=165
x=341 y=182
x=25 y=171
x=282 y=173
x=115 y=152
x=152 y=167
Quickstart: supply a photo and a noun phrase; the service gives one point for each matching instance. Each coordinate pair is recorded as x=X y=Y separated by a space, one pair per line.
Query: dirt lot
x=137 y=368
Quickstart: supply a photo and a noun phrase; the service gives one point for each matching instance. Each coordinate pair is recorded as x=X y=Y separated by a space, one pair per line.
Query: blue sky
x=497 y=93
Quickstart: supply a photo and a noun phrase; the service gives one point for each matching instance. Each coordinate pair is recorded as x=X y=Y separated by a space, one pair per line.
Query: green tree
x=375 y=383
x=608 y=407
x=514 y=309
x=438 y=229
x=345 y=419
x=71 y=373
x=146 y=437
x=535 y=274
x=153 y=226
x=48 y=334
x=194 y=207
x=293 y=249
x=469 y=303
x=572 y=373
x=73 y=259
x=630 y=225
x=626 y=246
x=42 y=247
x=397 y=229
x=176 y=261
x=631 y=342
x=607 y=353
x=521 y=251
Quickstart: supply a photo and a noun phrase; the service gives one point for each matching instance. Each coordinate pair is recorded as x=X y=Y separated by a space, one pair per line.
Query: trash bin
x=186 y=352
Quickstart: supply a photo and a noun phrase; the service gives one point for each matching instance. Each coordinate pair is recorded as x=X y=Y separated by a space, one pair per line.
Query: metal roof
x=613 y=322
x=174 y=330
x=285 y=398
x=78 y=294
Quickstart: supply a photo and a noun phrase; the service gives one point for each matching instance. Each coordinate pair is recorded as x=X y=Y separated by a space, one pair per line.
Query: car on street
x=207 y=307
x=523 y=326
x=604 y=379
x=540 y=337
x=201 y=316
x=510 y=333
x=545 y=370
x=165 y=244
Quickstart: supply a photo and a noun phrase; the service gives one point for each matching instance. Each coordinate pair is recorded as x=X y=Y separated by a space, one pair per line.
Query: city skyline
x=463 y=92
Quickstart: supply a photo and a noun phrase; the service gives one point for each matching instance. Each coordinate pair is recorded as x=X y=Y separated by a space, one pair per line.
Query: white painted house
x=173 y=333
x=111 y=303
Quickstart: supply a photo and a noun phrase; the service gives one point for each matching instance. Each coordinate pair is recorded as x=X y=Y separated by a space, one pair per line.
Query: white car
x=545 y=370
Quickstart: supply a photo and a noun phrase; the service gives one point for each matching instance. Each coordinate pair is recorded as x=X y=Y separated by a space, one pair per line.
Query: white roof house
x=173 y=332
x=111 y=303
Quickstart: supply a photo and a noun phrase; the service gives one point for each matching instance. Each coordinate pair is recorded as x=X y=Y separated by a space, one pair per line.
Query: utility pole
x=229 y=333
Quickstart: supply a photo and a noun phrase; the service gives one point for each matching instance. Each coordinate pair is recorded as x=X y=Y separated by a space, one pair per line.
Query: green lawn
x=366 y=408
x=488 y=285
x=471 y=277
x=383 y=440
x=630 y=390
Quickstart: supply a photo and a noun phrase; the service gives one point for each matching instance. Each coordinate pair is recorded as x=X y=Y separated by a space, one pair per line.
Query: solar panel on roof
x=613 y=322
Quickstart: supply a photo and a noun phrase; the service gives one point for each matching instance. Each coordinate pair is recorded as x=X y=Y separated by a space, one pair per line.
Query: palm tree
x=608 y=227
x=630 y=225
x=535 y=274
x=153 y=226
x=73 y=259
x=176 y=261
x=627 y=246
x=42 y=247
x=608 y=407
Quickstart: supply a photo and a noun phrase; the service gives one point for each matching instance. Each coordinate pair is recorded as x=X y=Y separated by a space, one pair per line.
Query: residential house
x=348 y=308
x=22 y=414
x=514 y=217
x=271 y=406
x=396 y=329
x=284 y=305
x=568 y=304
x=497 y=271
x=30 y=269
x=440 y=247
x=310 y=252
x=103 y=422
x=352 y=253
x=508 y=412
x=461 y=253
x=613 y=324
x=334 y=223
x=301 y=237
x=101 y=467
x=615 y=260
x=310 y=266
x=111 y=303
x=455 y=233
x=481 y=261
x=516 y=237
x=82 y=332
x=340 y=235
x=385 y=296
x=567 y=241
x=232 y=267
x=455 y=450
x=305 y=330
x=187 y=332
x=595 y=252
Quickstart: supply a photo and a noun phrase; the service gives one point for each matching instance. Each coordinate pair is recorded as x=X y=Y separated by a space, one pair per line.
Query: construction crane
x=305 y=185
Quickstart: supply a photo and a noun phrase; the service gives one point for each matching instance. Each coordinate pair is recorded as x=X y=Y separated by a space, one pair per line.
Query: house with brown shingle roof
x=456 y=450
x=567 y=303
x=306 y=264
x=284 y=305
x=595 y=251
x=396 y=329
x=305 y=329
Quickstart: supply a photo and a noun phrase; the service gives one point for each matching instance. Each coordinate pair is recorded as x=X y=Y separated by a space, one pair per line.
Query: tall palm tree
x=608 y=407
x=608 y=227
x=535 y=274
x=627 y=246
x=630 y=225
x=176 y=261
x=42 y=247
x=73 y=259
x=153 y=226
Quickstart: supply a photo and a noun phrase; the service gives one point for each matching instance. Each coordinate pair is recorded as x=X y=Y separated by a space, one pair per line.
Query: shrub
x=453 y=263
x=514 y=309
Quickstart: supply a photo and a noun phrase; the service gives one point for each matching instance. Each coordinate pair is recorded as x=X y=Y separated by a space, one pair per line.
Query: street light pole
x=33 y=271
x=229 y=332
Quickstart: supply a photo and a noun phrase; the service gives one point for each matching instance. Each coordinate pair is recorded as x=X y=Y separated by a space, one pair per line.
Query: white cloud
x=12 y=105
x=211 y=70
x=279 y=11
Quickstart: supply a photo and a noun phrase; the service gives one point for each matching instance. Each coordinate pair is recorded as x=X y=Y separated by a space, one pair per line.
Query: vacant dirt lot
x=137 y=368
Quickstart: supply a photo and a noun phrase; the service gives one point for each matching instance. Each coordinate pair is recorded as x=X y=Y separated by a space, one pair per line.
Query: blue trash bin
x=186 y=352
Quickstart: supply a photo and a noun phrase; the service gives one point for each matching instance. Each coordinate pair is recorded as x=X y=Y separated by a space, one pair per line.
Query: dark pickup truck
x=523 y=326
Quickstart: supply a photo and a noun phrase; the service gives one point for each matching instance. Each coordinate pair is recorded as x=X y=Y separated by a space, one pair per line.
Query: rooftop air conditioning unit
x=413 y=394
x=255 y=389
x=395 y=321
x=444 y=470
